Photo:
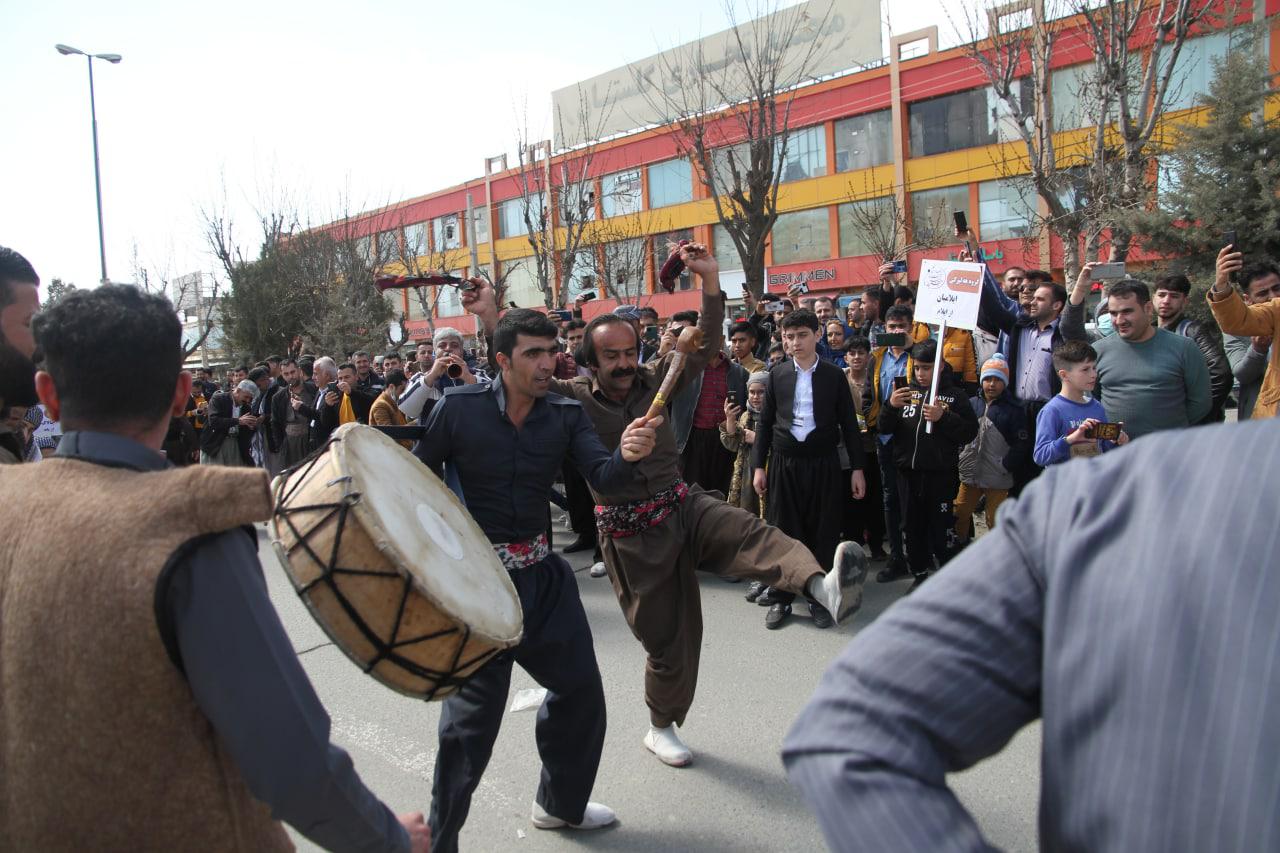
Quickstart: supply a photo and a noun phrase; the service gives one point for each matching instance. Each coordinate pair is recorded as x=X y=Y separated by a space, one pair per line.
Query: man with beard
x=368 y=383
x=290 y=416
x=1171 y=295
x=657 y=531
x=19 y=303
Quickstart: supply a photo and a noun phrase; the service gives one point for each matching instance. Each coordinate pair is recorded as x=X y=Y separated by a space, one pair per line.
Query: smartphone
x=962 y=223
x=652 y=333
x=899 y=382
x=561 y=314
x=775 y=307
x=1229 y=239
x=891 y=339
x=899 y=266
x=588 y=296
x=1108 y=272
x=1106 y=432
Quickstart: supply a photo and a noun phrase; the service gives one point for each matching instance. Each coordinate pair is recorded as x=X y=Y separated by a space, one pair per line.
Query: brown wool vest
x=102 y=745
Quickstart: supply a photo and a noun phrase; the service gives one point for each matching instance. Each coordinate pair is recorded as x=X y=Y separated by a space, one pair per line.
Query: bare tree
x=880 y=222
x=1087 y=189
x=738 y=155
x=188 y=293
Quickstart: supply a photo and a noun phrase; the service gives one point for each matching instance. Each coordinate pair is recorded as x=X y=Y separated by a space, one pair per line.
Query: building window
x=444 y=233
x=578 y=203
x=450 y=304
x=931 y=214
x=806 y=155
x=620 y=193
x=866 y=225
x=670 y=183
x=522 y=283
x=802 y=236
x=864 y=141
x=415 y=239
x=964 y=120
x=1004 y=210
x=623 y=268
x=1194 y=71
x=723 y=248
x=364 y=249
x=481 y=216
x=583 y=278
x=662 y=246
x=722 y=173
x=511 y=215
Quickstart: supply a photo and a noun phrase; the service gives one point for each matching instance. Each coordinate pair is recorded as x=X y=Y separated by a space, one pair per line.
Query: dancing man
x=507 y=440
x=656 y=531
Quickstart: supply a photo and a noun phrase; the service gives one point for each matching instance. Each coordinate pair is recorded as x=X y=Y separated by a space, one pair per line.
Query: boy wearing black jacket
x=928 y=463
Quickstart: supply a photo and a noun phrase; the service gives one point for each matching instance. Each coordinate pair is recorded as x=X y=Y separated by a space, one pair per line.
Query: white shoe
x=598 y=570
x=666 y=744
x=596 y=816
x=842 y=586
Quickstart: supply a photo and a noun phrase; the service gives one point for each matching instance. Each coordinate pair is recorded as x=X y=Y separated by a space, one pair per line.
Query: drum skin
x=370 y=604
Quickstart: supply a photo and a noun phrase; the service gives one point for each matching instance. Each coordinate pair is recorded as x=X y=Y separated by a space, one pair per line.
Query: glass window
x=1194 y=71
x=670 y=183
x=522 y=283
x=864 y=141
x=511 y=215
x=662 y=244
x=964 y=120
x=584 y=276
x=578 y=203
x=866 y=226
x=388 y=248
x=723 y=248
x=444 y=233
x=481 y=216
x=450 y=304
x=802 y=236
x=415 y=239
x=806 y=155
x=623 y=268
x=931 y=211
x=722 y=174
x=620 y=193
x=1005 y=210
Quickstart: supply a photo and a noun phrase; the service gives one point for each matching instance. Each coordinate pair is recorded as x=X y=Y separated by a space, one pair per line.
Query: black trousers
x=582 y=507
x=705 y=461
x=1028 y=470
x=864 y=518
x=805 y=500
x=930 y=521
x=557 y=651
x=893 y=501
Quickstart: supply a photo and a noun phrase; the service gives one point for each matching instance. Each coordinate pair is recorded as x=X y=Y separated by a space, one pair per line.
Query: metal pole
x=97 y=176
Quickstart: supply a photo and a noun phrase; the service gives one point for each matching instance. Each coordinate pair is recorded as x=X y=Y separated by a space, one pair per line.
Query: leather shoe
x=766 y=599
x=582 y=543
x=666 y=744
x=776 y=616
x=596 y=816
x=821 y=617
x=755 y=590
x=896 y=570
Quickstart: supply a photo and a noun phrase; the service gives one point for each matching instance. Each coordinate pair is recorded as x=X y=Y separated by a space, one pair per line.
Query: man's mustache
x=623 y=371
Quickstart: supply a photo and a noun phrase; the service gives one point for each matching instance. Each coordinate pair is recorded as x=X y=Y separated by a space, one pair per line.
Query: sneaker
x=666 y=744
x=820 y=615
x=598 y=570
x=896 y=570
x=842 y=587
x=776 y=616
x=596 y=816
x=755 y=590
x=916 y=582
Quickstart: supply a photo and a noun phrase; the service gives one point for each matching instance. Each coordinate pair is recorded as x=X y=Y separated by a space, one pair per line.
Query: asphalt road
x=734 y=797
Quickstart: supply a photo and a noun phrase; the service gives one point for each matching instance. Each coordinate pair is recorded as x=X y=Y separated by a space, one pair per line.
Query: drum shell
x=379 y=595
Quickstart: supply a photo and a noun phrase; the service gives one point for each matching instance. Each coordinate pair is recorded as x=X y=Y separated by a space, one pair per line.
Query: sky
x=336 y=106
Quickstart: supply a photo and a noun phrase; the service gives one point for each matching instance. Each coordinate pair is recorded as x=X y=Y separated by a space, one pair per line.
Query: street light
x=113 y=58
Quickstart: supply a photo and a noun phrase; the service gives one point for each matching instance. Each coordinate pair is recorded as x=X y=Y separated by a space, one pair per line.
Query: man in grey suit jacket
x=1131 y=605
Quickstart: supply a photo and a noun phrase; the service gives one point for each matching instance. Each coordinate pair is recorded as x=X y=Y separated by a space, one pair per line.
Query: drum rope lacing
x=291 y=480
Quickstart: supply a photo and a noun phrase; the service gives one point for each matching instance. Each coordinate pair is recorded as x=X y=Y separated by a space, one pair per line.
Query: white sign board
x=617 y=101
x=949 y=294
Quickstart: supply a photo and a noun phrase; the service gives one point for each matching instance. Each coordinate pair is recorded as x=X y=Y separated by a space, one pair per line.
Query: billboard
x=622 y=99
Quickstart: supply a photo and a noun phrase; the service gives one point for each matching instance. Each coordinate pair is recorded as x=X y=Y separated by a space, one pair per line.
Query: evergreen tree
x=1224 y=175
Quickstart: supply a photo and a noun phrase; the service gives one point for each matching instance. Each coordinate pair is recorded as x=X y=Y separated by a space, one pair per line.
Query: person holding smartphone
x=887 y=371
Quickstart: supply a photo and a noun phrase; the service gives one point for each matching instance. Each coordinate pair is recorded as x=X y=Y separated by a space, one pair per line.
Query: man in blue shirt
x=507 y=440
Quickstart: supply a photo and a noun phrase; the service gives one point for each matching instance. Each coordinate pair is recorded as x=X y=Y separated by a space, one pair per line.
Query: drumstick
x=688 y=343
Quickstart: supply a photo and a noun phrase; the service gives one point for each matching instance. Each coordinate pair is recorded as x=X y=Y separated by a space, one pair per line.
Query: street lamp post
x=113 y=58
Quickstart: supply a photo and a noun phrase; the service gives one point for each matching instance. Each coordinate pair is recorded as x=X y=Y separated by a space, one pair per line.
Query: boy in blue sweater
x=1065 y=426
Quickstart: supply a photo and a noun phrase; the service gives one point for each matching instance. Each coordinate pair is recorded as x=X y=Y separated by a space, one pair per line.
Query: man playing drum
x=507 y=440
x=150 y=698
x=657 y=531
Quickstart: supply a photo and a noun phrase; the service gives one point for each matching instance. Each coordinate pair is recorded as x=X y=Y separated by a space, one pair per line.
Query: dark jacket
x=685 y=403
x=220 y=423
x=1209 y=339
x=998 y=314
x=917 y=450
x=181 y=443
x=835 y=418
x=985 y=461
x=262 y=408
x=280 y=405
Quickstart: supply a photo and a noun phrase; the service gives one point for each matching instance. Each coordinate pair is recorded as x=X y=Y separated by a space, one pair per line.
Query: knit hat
x=445 y=332
x=761 y=376
x=995 y=366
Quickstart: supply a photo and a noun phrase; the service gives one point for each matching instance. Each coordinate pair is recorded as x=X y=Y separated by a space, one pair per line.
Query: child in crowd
x=927 y=462
x=1065 y=426
x=1002 y=444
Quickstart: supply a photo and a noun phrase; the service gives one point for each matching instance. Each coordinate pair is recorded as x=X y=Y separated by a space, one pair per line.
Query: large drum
x=392 y=566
